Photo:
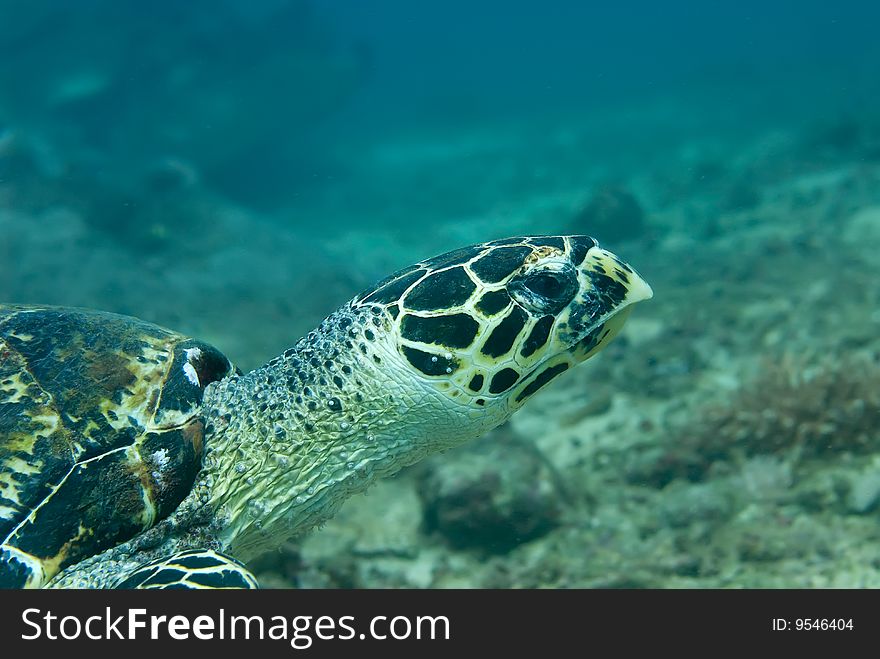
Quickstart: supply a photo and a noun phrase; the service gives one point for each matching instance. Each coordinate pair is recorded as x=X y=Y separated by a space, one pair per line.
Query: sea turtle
x=132 y=456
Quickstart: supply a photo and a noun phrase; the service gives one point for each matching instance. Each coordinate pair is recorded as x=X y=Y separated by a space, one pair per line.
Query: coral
x=829 y=409
x=804 y=412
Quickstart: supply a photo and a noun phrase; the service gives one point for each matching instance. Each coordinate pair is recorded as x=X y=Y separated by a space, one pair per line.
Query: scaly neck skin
x=290 y=441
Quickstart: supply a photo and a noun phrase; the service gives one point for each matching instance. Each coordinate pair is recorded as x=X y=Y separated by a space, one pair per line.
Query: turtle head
x=434 y=355
x=490 y=325
x=574 y=300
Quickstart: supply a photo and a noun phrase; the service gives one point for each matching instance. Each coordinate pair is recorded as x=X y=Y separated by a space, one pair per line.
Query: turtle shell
x=101 y=434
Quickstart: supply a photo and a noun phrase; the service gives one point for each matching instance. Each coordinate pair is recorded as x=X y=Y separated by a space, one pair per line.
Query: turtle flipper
x=193 y=569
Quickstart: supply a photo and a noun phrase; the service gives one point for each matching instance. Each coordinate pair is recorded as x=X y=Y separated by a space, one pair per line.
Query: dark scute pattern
x=624 y=267
x=608 y=289
x=456 y=256
x=13 y=574
x=220 y=579
x=503 y=380
x=50 y=457
x=424 y=361
x=179 y=393
x=164 y=576
x=548 y=241
x=538 y=336
x=584 y=313
x=448 y=288
x=105 y=496
x=580 y=245
x=137 y=578
x=476 y=383
x=591 y=340
x=188 y=570
x=507 y=241
x=79 y=357
x=172 y=460
x=493 y=302
x=196 y=561
x=500 y=263
x=389 y=290
x=453 y=331
x=545 y=291
x=503 y=336
x=211 y=365
x=542 y=379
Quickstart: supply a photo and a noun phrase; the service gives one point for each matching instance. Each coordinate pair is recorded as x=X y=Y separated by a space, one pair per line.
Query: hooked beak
x=610 y=288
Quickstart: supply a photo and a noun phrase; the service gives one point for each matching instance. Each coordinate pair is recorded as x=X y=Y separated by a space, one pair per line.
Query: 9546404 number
x=811 y=624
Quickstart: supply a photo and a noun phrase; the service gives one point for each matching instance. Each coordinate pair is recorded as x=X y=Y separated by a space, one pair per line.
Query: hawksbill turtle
x=134 y=457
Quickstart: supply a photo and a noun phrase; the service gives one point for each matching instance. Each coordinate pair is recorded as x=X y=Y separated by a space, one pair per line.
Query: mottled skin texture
x=435 y=355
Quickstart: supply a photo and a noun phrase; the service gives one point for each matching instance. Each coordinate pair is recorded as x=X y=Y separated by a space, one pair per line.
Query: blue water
x=288 y=89
x=505 y=59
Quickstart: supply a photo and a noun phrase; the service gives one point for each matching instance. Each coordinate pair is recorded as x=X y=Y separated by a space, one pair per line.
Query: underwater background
x=236 y=170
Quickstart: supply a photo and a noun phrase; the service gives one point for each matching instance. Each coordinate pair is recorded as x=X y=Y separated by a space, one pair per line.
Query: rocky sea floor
x=730 y=437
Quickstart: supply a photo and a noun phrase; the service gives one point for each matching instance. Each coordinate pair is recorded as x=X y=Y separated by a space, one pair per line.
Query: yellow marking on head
x=539 y=253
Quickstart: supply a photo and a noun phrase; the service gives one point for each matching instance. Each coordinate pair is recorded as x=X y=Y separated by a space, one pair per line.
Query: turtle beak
x=637 y=289
x=608 y=289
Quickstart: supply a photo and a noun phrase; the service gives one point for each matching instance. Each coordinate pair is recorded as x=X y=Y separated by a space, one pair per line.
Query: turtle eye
x=546 y=284
x=545 y=290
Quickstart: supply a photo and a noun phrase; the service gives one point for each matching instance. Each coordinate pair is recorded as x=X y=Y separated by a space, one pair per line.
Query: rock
x=863 y=228
x=492 y=495
x=765 y=478
x=864 y=494
x=382 y=522
x=684 y=504
x=611 y=215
